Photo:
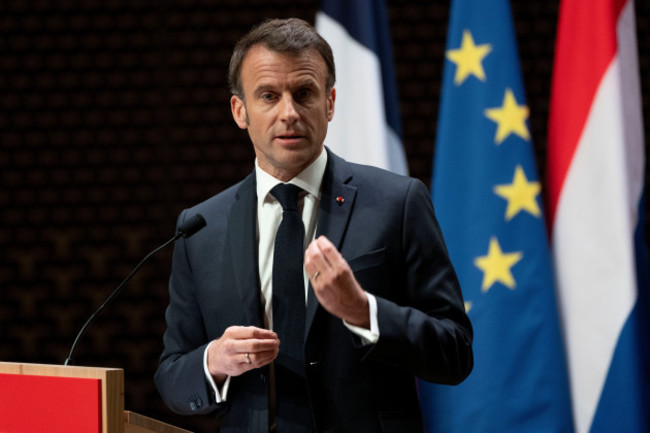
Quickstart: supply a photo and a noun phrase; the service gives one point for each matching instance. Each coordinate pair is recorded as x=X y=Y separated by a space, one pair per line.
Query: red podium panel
x=50 y=404
x=48 y=394
x=39 y=398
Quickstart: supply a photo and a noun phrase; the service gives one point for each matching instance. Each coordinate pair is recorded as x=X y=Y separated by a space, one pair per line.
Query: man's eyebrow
x=262 y=88
x=307 y=82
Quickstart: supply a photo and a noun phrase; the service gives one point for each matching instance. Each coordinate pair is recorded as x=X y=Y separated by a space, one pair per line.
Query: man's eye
x=267 y=96
x=302 y=94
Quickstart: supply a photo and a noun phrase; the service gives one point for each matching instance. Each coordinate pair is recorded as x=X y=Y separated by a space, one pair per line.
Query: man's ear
x=238 y=109
x=330 y=104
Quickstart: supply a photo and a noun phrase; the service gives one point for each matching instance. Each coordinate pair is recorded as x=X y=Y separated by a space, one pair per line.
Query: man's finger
x=255 y=345
x=315 y=260
x=246 y=332
x=260 y=358
x=330 y=252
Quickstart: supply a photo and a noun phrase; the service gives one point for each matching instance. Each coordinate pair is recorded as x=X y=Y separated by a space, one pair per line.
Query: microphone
x=191 y=226
x=186 y=229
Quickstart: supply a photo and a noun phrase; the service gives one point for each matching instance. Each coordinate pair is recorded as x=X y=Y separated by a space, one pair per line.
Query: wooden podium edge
x=136 y=423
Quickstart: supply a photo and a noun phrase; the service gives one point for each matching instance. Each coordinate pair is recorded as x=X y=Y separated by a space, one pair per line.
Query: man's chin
x=288 y=162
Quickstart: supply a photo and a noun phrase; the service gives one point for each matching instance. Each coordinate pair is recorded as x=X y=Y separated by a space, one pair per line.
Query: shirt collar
x=310 y=179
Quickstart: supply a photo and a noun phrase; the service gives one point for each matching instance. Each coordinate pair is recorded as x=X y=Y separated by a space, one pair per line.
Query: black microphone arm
x=186 y=229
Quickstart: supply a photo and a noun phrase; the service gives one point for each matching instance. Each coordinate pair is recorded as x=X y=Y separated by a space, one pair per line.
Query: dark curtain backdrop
x=114 y=116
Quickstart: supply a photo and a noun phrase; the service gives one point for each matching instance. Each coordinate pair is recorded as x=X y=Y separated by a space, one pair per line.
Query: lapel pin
x=340 y=200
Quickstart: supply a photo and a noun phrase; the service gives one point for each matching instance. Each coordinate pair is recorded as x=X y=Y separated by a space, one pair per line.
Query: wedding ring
x=248 y=358
x=316 y=274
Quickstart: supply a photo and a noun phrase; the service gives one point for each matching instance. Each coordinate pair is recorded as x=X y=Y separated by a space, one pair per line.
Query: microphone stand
x=116 y=292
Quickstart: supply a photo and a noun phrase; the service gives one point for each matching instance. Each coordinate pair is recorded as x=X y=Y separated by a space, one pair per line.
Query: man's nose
x=288 y=110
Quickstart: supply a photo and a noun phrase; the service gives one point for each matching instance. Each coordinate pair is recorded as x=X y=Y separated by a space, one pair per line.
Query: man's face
x=286 y=108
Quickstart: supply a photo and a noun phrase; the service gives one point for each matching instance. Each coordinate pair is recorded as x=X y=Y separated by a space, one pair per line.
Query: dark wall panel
x=114 y=116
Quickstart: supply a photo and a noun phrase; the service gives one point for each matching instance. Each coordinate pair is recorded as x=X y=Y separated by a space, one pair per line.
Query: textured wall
x=114 y=116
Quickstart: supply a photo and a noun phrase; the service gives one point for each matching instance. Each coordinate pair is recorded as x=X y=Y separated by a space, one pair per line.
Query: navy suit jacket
x=386 y=229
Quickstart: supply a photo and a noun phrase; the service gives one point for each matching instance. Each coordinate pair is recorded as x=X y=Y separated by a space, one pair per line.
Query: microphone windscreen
x=192 y=225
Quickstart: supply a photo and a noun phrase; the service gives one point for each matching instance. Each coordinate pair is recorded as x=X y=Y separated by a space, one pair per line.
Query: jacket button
x=196 y=404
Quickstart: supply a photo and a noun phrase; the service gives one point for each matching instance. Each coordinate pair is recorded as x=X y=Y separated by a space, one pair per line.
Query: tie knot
x=287 y=195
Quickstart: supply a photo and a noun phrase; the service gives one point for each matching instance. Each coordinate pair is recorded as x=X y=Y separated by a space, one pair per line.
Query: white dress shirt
x=269 y=216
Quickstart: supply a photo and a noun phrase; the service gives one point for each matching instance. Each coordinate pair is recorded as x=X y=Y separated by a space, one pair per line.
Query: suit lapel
x=337 y=200
x=243 y=247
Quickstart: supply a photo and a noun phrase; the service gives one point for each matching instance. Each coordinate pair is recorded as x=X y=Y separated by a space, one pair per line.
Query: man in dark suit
x=378 y=301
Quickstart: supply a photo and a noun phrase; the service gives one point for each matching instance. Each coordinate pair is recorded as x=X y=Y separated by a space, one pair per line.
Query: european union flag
x=488 y=200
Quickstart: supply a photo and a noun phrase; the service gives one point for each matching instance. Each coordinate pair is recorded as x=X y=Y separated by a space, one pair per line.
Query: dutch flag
x=596 y=183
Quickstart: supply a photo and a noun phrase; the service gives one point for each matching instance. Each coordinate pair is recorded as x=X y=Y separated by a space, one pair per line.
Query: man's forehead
x=259 y=51
x=262 y=63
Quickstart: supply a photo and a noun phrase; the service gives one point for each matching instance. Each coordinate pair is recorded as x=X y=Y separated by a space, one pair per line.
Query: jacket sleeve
x=180 y=377
x=427 y=332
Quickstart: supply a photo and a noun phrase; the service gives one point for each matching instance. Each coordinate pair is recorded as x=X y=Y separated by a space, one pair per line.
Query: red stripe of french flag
x=595 y=180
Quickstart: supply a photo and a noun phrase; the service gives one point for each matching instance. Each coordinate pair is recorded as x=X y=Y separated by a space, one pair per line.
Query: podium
x=55 y=398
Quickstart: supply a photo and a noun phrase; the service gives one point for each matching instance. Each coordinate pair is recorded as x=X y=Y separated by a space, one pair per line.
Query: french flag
x=596 y=187
x=366 y=127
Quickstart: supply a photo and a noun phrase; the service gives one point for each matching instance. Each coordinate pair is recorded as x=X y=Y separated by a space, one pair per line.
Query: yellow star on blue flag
x=520 y=194
x=468 y=58
x=497 y=265
x=510 y=118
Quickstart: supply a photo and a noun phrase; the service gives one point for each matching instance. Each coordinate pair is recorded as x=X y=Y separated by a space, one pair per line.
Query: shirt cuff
x=219 y=396
x=367 y=336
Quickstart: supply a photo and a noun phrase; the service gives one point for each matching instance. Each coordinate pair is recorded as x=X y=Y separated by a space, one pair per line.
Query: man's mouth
x=289 y=136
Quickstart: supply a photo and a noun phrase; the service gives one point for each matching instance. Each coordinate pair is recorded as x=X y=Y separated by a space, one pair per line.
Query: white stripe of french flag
x=596 y=177
x=361 y=131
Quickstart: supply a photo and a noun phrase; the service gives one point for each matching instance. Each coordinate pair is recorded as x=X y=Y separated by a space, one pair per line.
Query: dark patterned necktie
x=288 y=281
